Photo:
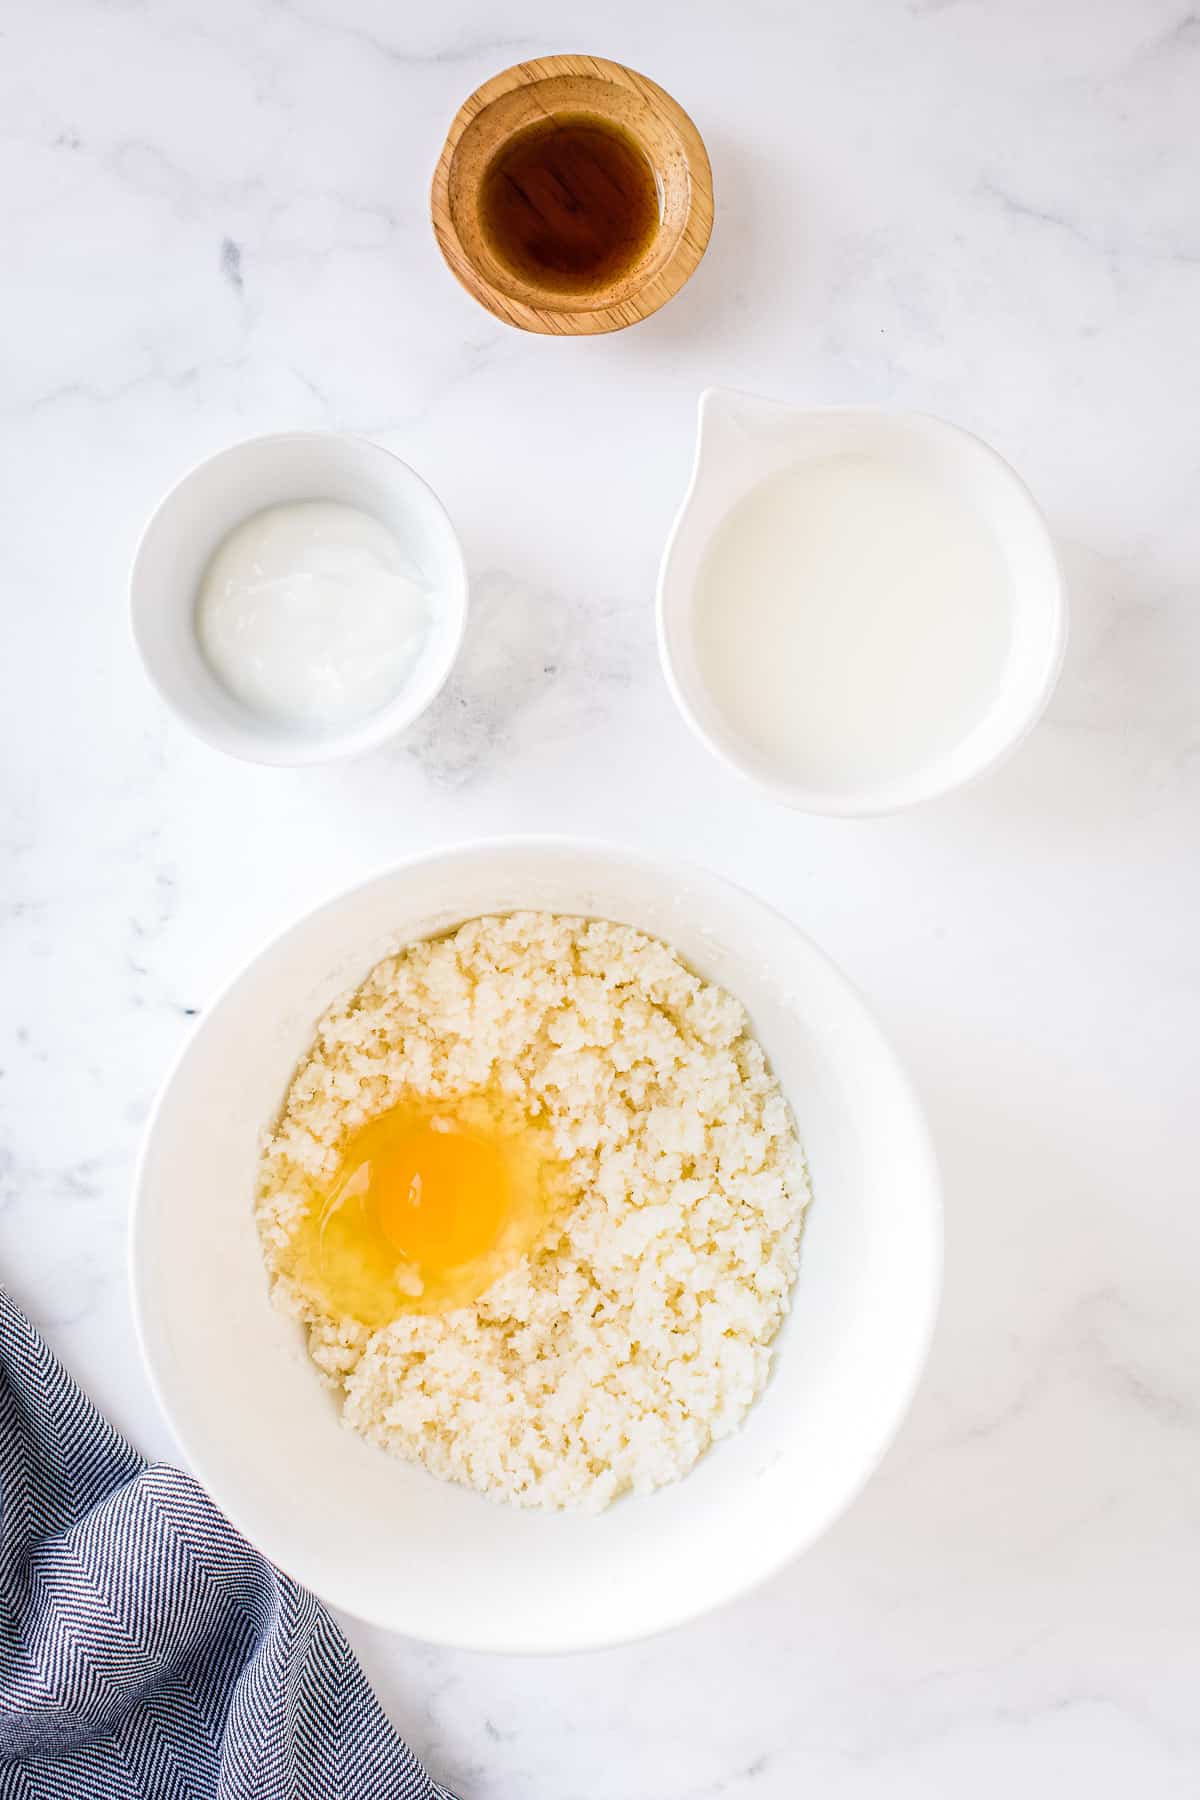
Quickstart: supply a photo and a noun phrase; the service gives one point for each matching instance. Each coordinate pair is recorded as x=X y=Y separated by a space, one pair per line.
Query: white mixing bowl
x=386 y=1541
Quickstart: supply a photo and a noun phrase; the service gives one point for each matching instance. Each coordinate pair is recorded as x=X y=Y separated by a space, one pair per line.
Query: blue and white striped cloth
x=146 y=1651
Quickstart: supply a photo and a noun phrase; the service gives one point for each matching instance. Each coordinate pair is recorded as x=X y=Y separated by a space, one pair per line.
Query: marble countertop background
x=215 y=223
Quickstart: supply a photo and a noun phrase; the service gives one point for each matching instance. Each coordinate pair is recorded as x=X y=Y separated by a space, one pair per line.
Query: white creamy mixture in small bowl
x=299 y=598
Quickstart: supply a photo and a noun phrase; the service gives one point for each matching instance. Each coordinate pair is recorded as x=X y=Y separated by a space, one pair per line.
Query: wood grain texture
x=573 y=85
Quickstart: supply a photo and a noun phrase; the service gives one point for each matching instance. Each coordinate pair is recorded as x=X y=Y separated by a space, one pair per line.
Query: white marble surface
x=214 y=222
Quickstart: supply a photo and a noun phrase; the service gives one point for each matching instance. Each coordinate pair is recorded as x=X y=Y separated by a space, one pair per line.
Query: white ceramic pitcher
x=742 y=441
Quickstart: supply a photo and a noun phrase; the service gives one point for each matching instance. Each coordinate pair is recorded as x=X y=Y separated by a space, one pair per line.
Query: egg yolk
x=440 y=1195
x=429 y=1205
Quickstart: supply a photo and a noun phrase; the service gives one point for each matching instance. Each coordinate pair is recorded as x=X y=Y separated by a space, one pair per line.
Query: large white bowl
x=389 y=1543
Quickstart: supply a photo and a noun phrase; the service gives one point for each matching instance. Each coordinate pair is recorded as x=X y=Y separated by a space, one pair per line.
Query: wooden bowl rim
x=571 y=318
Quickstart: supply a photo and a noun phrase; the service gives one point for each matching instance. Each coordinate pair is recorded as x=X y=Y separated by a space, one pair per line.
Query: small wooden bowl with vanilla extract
x=572 y=196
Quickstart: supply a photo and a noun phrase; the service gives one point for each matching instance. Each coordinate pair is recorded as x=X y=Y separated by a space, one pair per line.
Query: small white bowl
x=744 y=440
x=218 y=494
x=380 y=1537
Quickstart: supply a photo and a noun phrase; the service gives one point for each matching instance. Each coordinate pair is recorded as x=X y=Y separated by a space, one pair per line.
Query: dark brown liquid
x=570 y=203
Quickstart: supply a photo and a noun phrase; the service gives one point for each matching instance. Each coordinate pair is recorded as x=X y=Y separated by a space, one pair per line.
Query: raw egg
x=430 y=1203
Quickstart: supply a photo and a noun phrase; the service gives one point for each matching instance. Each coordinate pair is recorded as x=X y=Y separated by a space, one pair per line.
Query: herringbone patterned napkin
x=146 y=1651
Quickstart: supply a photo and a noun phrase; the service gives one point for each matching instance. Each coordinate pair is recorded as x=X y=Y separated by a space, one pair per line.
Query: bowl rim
x=876 y=799
x=571 y=316
x=377 y=727
x=919 y=1343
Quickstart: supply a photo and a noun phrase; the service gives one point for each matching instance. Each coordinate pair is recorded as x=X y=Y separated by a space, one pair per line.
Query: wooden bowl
x=573 y=86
